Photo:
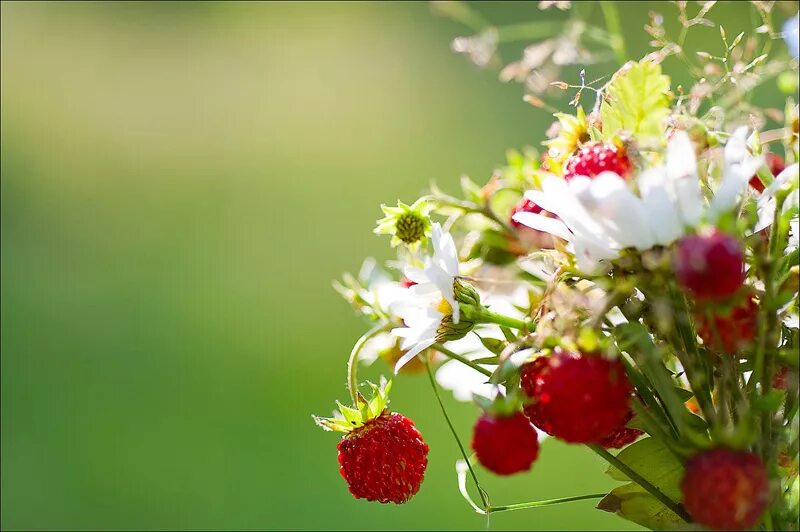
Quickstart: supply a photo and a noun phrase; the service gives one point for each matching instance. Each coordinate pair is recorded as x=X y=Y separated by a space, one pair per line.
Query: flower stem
x=484 y=497
x=455 y=356
x=547 y=502
x=352 y=362
x=487 y=316
x=637 y=478
x=611 y=16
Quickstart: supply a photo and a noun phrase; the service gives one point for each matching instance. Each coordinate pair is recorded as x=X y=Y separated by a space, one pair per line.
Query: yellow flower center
x=444 y=307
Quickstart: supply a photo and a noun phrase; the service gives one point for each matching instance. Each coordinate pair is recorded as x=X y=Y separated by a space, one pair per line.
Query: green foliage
x=656 y=463
x=637 y=101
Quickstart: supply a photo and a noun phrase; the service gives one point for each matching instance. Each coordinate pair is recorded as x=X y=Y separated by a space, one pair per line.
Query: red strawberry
x=725 y=489
x=575 y=397
x=622 y=436
x=776 y=165
x=505 y=444
x=709 y=267
x=384 y=460
x=729 y=332
x=594 y=158
x=780 y=379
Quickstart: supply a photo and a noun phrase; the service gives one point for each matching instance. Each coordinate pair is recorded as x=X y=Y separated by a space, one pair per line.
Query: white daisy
x=599 y=217
x=766 y=202
x=429 y=301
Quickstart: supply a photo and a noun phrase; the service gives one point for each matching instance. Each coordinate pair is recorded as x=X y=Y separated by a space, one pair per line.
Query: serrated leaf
x=638 y=102
x=655 y=462
x=632 y=502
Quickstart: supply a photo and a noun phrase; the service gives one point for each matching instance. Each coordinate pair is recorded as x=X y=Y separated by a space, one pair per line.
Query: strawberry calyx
x=349 y=418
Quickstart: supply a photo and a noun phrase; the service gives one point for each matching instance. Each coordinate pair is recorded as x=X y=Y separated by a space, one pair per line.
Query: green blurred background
x=180 y=184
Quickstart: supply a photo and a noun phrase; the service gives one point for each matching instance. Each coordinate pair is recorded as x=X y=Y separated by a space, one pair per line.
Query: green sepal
x=348 y=418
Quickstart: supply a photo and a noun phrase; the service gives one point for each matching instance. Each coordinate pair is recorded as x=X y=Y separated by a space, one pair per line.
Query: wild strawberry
x=776 y=165
x=622 y=436
x=725 y=489
x=594 y=158
x=731 y=331
x=384 y=460
x=505 y=444
x=709 y=267
x=575 y=397
x=780 y=379
x=382 y=455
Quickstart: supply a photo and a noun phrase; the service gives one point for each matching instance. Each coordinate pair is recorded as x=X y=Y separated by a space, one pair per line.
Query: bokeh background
x=180 y=184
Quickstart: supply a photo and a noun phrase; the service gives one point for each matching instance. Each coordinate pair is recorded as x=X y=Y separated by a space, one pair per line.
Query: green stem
x=637 y=478
x=455 y=356
x=352 y=362
x=611 y=16
x=484 y=497
x=487 y=316
x=548 y=502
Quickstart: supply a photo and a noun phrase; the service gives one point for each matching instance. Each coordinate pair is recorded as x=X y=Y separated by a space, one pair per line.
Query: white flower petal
x=544 y=223
x=662 y=215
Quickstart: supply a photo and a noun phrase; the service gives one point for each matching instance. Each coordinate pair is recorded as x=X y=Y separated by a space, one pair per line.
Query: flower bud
x=466 y=294
x=449 y=331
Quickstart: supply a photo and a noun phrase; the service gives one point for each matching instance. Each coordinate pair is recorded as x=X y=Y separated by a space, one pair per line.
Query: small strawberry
x=594 y=158
x=730 y=330
x=621 y=436
x=505 y=444
x=725 y=489
x=710 y=267
x=776 y=165
x=576 y=397
x=382 y=456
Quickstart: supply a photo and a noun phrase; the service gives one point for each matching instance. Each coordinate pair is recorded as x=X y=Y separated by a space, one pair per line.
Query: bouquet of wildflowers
x=632 y=287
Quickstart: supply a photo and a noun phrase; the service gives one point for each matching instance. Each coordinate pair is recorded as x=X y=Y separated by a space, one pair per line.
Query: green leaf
x=638 y=101
x=653 y=461
x=633 y=503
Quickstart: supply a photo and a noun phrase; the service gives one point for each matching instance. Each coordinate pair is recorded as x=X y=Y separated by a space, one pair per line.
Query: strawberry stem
x=547 y=502
x=352 y=362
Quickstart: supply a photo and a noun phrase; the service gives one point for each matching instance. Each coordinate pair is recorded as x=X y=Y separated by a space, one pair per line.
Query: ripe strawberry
x=622 y=436
x=575 y=397
x=731 y=331
x=382 y=455
x=594 y=158
x=384 y=460
x=505 y=444
x=776 y=165
x=725 y=489
x=709 y=267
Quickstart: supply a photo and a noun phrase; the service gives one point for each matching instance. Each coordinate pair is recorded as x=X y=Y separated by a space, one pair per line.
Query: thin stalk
x=611 y=16
x=487 y=316
x=637 y=478
x=484 y=498
x=352 y=362
x=455 y=356
x=548 y=502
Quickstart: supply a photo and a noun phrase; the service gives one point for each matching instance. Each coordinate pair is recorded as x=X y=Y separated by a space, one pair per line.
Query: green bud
x=448 y=330
x=466 y=294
